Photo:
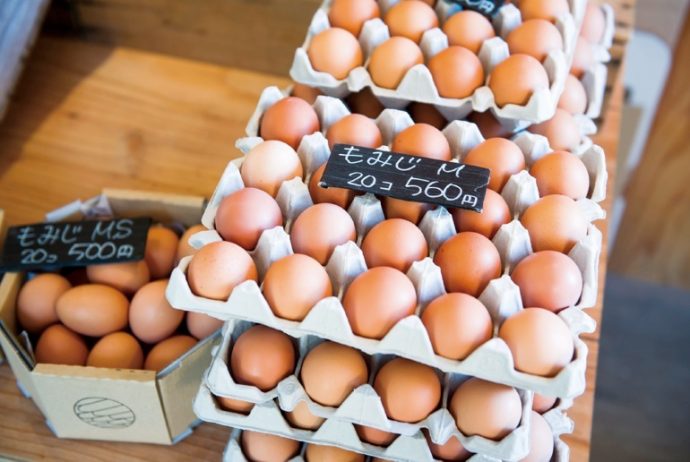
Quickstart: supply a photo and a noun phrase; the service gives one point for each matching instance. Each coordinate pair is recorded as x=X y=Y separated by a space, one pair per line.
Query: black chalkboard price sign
x=486 y=7
x=76 y=243
x=407 y=177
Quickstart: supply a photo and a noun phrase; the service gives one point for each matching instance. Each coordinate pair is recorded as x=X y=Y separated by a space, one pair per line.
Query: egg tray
x=418 y=84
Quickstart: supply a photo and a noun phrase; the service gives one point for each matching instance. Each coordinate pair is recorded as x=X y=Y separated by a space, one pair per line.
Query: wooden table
x=87 y=116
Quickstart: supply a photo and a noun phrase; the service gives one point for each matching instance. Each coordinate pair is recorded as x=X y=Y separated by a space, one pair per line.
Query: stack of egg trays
x=594 y=78
x=418 y=84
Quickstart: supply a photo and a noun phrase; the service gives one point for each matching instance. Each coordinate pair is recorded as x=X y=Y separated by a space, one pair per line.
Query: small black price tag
x=76 y=243
x=402 y=176
x=486 y=7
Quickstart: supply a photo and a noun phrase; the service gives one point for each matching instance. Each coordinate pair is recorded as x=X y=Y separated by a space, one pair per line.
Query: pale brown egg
x=118 y=350
x=268 y=164
x=468 y=261
x=515 y=79
x=364 y=102
x=390 y=61
x=184 y=248
x=352 y=14
x=422 y=140
x=166 y=352
x=540 y=341
x=583 y=58
x=451 y=450
x=503 y=157
x=456 y=71
x=307 y=93
x=374 y=436
x=409 y=391
x=235 y=405
x=410 y=19
x=536 y=37
x=330 y=372
x=93 y=309
x=59 y=345
x=488 y=221
x=485 y=408
x=468 y=29
x=289 y=120
x=36 y=301
x=262 y=447
x=322 y=453
x=151 y=317
x=243 y=215
x=593 y=24
x=457 y=325
x=561 y=131
x=161 y=247
x=262 y=357
x=341 y=197
x=541 y=444
x=542 y=403
x=488 y=125
x=574 y=97
x=335 y=51
x=554 y=222
x=427 y=114
x=217 y=268
x=302 y=417
x=407 y=210
x=377 y=299
x=320 y=229
x=396 y=243
x=201 y=325
x=543 y=9
x=127 y=277
x=561 y=172
x=355 y=129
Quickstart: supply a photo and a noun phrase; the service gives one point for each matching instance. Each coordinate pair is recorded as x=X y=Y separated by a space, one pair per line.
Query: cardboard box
x=111 y=404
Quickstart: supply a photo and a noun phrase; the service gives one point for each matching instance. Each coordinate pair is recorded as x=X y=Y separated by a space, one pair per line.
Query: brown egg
x=485 y=408
x=542 y=403
x=184 y=249
x=243 y=215
x=151 y=317
x=262 y=447
x=583 y=58
x=486 y=223
x=390 y=61
x=457 y=325
x=352 y=14
x=410 y=19
x=161 y=247
x=396 y=243
x=549 y=280
x=456 y=71
x=235 y=405
x=574 y=97
x=289 y=120
x=515 y=79
x=593 y=24
x=330 y=372
x=36 y=301
x=539 y=340
x=561 y=131
x=561 y=172
x=262 y=357
x=503 y=157
x=488 y=125
x=93 y=309
x=422 y=140
x=468 y=262
x=305 y=92
x=167 y=351
x=336 y=52
x=427 y=114
x=341 y=197
x=201 y=325
x=322 y=453
x=374 y=436
x=126 y=277
x=554 y=222
x=320 y=229
x=59 y=345
x=543 y=9
x=407 y=210
x=364 y=102
x=536 y=37
x=355 y=129
x=541 y=444
x=451 y=450
x=409 y=391
x=217 y=268
x=268 y=164
x=302 y=417
x=377 y=299
x=118 y=350
x=468 y=29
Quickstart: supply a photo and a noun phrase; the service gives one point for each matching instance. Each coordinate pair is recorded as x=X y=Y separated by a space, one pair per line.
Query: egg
x=427 y=114
x=305 y=92
x=268 y=164
x=166 y=352
x=515 y=79
x=422 y=140
x=574 y=97
x=377 y=299
x=364 y=102
x=456 y=71
x=289 y=120
x=396 y=243
x=485 y=408
x=503 y=157
x=341 y=197
x=451 y=450
x=318 y=230
x=407 y=210
x=561 y=172
x=354 y=129
x=93 y=309
x=246 y=213
x=36 y=301
x=583 y=58
x=262 y=357
x=536 y=37
x=561 y=130
x=468 y=29
x=593 y=24
x=302 y=417
x=335 y=51
x=554 y=222
x=468 y=261
x=151 y=317
x=217 y=268
x=184 y=248
x=118 y=350
x=488 y=221
x=488 y=125
x=161 y=248
x=374 y=436
x=390 y=61
x=541 y=444
x=410 y=19
x=59 y=345
x=543 y=9
x=409 y=391
x=352 y=14
x=457 y=325
x=262 y=447
x=540 y=341
x=235 y=405
x=127 y=277
x=330 y=372
x=322 y=453
x=201 y=325
x=542 y=403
